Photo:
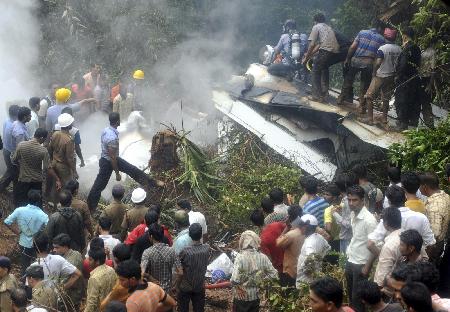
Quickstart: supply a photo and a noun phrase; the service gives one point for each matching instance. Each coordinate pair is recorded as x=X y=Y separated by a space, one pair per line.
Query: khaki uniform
x=84 y=211
x=7 y=284
x=102 y=281
x=115 y=211
x=75 y=294
x=62 y=149
x=44 y=296
x=134 y=217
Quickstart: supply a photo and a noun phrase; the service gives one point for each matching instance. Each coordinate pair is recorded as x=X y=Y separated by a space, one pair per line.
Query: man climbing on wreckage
x=110 y=161
x=290 y=48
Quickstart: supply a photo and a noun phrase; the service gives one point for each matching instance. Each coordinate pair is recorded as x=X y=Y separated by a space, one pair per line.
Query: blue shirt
x=19 y=133
x=316 y=207
x=110 y=138
x=182 y=241
x=368 y=43
x=30 y=220
x=54 y=112
x=7 y=135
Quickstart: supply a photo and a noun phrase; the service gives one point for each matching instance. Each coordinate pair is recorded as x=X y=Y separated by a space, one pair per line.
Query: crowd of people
x=385 y=65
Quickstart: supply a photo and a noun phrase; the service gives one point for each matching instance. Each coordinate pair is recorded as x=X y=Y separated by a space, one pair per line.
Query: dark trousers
x=27 y=256
x=349 y=79
x=320 y=72
x=197 y=298
x=281 y=70
x=21 y=192
x=104 y=173
x=354 y=277
x=11 y=173
x=245 y=306
x=407 y=104
x=286 y=280
x=425 y=98
x=444 y=268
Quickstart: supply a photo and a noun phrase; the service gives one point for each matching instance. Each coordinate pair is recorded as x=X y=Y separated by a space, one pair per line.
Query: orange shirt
x=118 y=293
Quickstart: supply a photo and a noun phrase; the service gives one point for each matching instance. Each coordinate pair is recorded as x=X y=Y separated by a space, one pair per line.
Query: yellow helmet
x=139 y=74
x=62 y=95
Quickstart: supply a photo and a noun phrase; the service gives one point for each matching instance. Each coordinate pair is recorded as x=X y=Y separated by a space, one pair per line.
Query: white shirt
x=198 y=217
x=411 y=220
x=281 y=208
x=110 y=243
x=31 y=308
x=33 y=124
x=316 y=245
x=389 y=255
x=362 y=225
x=55 y=267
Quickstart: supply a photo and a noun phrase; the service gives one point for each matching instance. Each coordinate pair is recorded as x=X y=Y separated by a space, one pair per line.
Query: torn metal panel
x=280 y=140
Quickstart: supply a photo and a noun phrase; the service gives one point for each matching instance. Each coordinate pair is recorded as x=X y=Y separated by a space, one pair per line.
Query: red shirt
x=269 y=235
x=140 y=230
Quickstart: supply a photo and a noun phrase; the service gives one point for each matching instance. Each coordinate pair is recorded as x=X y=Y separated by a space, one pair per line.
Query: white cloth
x=314 y=245
x=389 y=255
x=198 y=217
x=281 y=208
x=32 y=308
x=33 y=124
x=411 y=220
x=55 y=267
x=390 y=53
x=362 y=225
x=110 y=243
x=323 y=35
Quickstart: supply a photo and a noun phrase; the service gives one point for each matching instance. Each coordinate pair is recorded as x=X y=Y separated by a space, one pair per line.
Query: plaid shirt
x=194 y=260
x=158 y=261
x=438 y=212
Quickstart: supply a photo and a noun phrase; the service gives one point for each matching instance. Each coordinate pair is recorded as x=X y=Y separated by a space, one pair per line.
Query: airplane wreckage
x=319 y=138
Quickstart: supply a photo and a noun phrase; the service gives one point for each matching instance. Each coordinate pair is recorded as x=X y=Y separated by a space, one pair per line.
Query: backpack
x=371 y=197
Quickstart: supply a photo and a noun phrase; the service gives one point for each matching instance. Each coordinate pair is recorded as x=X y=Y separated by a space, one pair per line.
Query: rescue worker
x=136 y=88
x=406 y=102
x=46 y=103
x=285 y=68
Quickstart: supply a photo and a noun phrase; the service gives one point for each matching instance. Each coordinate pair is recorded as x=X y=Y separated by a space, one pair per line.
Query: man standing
x=277 y=196
x=268 y=206
x=104 y=224
x=20 y=303
x=410 y=247
x=43 y=295
x=101 y=282
x=110 y=161
x=135 y=215
x=316 y=205
x=67 y=220
x=116 y=210
x=46 y=103
x=33 y=124
x=145 y=297
x=30 y=220
x=191 y=283
x=7 y=284
x=73 y=186
x=360 y=58
x=326 y=295
x=11 y=170
x=322 y=38
x=410 y=182
x=437 y=209
x=19 y=131
x=194 y=217
x=33 y=161
x=183 y=239
x=357 y=267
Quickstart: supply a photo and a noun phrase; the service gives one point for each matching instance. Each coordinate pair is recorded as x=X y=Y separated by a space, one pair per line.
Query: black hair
x=72 y=186
x=309 y=184
x=333 y=189
x=410 y=182
x=412 y=238
x=156 y=208
x=118 y=193
x=396 y=196
x=122 y=252
x=19 y=297
x=257 y=217
x=67 y=110
x=357 y=191
x=409 y=31
x=378 y=24
x=310 y=229
x=115 y=306
x=360 y=171
x=416 y=296
x=319 y=18
x=328 y=289
x=195 y=231
x=392 y=218
x=151 y=216
x=267 y=205
x=105 y=223
x=13 y=110
x=65 y=198
x=97 y=243
x=156 y=232
x=129 y=269
x=184 y=204
x=346 y=180
x=41 y=241
x=33 y=102
x=23 y=112
x=97 y=255
x=62 y=239
x=276 y=195
x=369 y=292
x=430 y=179
x=429 y=275
x=294 y=211
x=34 y=197
x=394 y=174
x=406 y=272
x=114 y=118
x=41 y=133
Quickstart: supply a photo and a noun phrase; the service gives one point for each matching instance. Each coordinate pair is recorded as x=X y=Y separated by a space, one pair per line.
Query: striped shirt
x=145 y=298
x=316 y=207
x=158 y=261
x=368 y=43
x=194 y=260
x=250 y=269
x=275 y=217
x=33 y=160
